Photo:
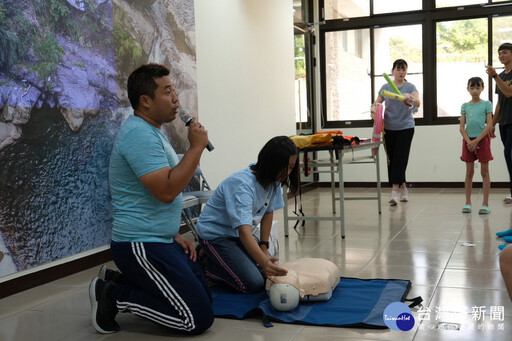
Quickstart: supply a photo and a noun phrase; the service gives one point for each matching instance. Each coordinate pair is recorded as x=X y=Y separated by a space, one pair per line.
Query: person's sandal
x=484 y=210
x=466 y=209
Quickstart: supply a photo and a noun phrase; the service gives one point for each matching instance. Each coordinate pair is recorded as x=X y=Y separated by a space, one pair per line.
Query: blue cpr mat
x=354 y=303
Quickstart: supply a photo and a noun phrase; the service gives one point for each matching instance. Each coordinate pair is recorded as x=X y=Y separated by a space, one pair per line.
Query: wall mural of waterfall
x=63 y=71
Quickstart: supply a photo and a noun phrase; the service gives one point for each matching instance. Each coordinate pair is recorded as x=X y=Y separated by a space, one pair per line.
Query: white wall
x=245 y=75
x=435 y=157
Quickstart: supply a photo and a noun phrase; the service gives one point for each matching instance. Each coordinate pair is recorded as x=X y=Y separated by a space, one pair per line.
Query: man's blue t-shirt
x=139 y=149
x=476 y=116
x=238 y=200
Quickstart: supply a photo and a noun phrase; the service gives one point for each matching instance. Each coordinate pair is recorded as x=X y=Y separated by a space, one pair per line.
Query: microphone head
x=185 y=115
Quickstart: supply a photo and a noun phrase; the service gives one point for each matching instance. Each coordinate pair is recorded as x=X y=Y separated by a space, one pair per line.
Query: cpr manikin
x=308 y=279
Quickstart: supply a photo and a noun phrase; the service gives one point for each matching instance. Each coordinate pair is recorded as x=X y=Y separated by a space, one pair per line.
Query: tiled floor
x=423 y=240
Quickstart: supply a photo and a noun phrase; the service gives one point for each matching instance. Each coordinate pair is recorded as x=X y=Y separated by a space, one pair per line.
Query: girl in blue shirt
x=475 y=126
x=249 y=197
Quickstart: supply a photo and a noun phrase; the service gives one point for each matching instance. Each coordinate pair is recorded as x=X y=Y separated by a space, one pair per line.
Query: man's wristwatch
x=496 y=75
x=264 y=243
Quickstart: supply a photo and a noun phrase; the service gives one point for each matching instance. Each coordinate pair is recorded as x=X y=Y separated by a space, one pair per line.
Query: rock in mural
x=63 y=99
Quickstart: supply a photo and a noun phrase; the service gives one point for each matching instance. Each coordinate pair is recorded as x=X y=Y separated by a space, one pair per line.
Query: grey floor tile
x=472 y=278
x=468 y=330
x=450 y=258
x=37 y=325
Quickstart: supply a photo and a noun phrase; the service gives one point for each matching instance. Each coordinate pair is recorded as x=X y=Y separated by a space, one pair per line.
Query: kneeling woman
x=245 y=199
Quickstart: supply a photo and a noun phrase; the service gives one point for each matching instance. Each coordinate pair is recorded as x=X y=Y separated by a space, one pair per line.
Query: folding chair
x=205 y=191
x=188 y=202
x=194 y=198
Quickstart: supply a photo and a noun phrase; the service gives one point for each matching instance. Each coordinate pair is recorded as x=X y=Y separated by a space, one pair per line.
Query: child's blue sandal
x=501 y=247
x=504 y=233
x=466 y=209
x=484 y=210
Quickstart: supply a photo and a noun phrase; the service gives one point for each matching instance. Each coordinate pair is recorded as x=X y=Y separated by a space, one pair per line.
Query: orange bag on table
x=320 y=139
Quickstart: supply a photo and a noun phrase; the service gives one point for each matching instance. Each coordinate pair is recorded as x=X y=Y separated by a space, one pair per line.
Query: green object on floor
x=466 y=209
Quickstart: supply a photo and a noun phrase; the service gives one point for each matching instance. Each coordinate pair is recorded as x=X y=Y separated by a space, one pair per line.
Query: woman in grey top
x=398 y=128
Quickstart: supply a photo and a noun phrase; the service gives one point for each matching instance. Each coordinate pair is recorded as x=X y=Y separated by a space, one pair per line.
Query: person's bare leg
x=506 y=268
x=468 y=182
x=486 y=183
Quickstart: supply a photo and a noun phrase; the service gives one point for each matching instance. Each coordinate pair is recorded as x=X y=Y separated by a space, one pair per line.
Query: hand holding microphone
x=187 y=118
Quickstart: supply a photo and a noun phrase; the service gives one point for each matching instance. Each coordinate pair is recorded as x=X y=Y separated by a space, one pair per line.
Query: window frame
x=302 y=27
x=429 y=16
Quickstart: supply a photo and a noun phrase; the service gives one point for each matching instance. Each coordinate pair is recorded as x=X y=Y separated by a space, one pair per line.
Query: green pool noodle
x=391 y=84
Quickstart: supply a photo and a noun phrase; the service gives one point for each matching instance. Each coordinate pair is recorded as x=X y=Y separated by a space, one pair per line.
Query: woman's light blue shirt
x=239 y=200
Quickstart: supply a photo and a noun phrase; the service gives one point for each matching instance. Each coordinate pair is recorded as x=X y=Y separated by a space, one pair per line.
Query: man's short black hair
x=142 y=82
x=505 y=46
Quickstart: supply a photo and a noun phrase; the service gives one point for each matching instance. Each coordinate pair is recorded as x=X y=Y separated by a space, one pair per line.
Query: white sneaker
x=508 y=199
x=404 y=195
x=393 y=198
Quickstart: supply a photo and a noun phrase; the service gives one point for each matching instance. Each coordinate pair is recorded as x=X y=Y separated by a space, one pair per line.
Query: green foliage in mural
x=58 y=10
x=57 y=15
x=3 y=13
x=26 y=32
x=129 y=52
x=8 y=48
x=32 y=42
x=16 y=36
x=48 y=53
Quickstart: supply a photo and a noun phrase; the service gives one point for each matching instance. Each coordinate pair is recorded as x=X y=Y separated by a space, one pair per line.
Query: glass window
x=502 y=33
x=399 y=42
x=347 y=58
x=461 y=54
x=390 y=6
x=297 y=11
x=302 y=115
x=339 y=9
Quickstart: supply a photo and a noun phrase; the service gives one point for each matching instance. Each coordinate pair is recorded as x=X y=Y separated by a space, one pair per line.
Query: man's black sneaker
x=109 y=274
x=103 y=309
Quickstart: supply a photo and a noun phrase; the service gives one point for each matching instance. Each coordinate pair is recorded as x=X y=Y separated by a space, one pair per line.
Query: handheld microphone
x=187 y=118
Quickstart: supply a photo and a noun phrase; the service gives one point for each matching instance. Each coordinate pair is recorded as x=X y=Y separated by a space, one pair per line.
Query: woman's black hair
x=273 y=161
x=399 y=64
x=475 y=81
